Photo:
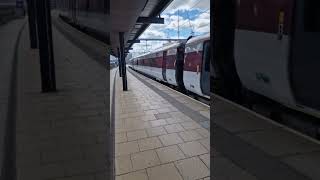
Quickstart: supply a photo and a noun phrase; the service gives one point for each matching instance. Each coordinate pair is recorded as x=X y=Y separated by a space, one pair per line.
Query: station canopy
x=126 y=16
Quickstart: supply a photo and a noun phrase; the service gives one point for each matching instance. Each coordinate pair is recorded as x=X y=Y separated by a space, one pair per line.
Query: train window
x=171 y=52
x=194 y=48
x=187 y=49
x=199 y=47
x=153 y=62
x=206 y=56
x=311 y=16
x=149 y=62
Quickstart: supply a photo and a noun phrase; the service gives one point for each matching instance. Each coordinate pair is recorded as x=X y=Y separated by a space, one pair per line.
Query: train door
x=304 y=63
x=164 y=65
x=179 y=67
x=261 y=47
x=205 y=75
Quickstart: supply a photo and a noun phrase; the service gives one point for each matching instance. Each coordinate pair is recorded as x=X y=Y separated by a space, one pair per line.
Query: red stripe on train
x=263 y=15
x=193 y=61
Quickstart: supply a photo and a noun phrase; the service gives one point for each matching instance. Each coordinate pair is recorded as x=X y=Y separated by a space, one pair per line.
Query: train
x=273 y=56
x=185 y=65
x=269 y=51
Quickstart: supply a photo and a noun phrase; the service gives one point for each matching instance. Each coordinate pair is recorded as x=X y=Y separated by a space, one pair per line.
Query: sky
x=193 y=16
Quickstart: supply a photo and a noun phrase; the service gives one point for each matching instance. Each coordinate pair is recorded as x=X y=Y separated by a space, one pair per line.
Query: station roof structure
x=133 y=18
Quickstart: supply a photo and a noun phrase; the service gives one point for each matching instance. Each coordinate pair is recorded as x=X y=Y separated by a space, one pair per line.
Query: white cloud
x=199 y=25
x=187 y=5
x=153 y=33
x=140 y=48
x=202 y=23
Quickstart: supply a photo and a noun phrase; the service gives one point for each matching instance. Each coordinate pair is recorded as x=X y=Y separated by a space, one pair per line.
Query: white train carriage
x=160 y=64
x=184 y=65
x=276 y=52
x=196 y=70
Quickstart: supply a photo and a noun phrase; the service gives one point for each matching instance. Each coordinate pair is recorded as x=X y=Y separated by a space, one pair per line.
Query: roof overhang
x=133 y=19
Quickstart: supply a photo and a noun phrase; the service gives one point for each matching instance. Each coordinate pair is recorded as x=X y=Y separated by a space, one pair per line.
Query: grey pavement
x=9 y=35
x=62 y=135
x=251 y=146
x=157 y=135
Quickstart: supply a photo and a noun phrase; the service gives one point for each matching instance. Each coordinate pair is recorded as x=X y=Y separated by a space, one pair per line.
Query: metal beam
x=155 y=12
x=48 y=80
x=120 y=63
x=133 y=41
x=32 y=24
x=123 y=61
x=150 y=20
x=155 y=39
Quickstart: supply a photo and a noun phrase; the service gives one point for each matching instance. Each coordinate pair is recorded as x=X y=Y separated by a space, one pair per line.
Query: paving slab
x=170 y=136
x=64 y=134
x=251 y=146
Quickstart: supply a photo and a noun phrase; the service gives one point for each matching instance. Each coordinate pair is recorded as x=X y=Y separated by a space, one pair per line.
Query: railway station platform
x=160 y=134
x=61 y=135
x=252 y=147
x=64 y=135
x=9 y=36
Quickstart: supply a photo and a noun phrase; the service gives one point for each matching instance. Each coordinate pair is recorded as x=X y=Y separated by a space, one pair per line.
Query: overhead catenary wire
x=191 y=26
x=205 y=11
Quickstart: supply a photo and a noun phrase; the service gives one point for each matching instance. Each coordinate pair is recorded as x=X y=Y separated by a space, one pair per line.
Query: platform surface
x=160 y=134
x=251 y=146
x=62 y=135
x=9 y=37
